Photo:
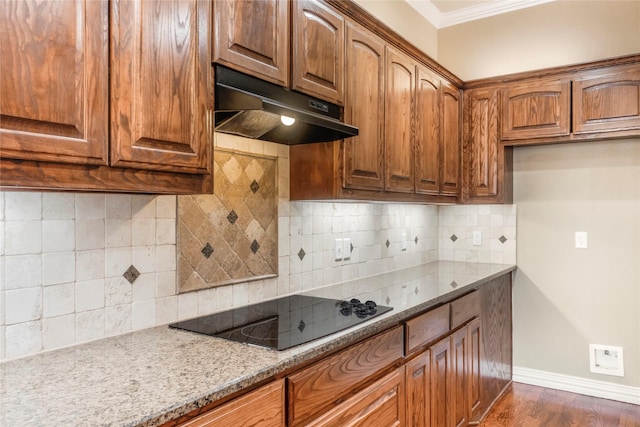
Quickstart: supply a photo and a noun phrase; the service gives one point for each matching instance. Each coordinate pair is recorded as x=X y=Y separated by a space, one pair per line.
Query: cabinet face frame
x=607 y=101
x=252 y=36
x=451 y=136
x=162 y=123
x=54 y=81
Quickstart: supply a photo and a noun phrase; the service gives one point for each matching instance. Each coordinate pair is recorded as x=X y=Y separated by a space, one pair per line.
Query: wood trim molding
x=551 y=72
x=586 y=386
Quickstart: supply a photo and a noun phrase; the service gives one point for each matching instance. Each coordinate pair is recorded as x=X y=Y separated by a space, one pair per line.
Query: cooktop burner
x=285 y=322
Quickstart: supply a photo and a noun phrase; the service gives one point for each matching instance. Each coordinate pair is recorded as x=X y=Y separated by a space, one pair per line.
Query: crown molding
x=485 y=10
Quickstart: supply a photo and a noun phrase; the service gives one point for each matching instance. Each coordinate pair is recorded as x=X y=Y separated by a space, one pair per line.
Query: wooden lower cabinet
x=263 y=407
x=381 y=405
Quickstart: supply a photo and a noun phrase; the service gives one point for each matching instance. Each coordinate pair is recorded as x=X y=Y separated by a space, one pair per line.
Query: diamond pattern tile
x=454 y=284
x=301 y=254
x=207 y=251
x=387 y=243
x=416 y=240
x=239 y=219
x=502 y=239
x=131 y=274
x=453 y=237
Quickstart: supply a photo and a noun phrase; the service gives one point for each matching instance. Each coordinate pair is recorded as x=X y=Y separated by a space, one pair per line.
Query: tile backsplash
x=63 y=256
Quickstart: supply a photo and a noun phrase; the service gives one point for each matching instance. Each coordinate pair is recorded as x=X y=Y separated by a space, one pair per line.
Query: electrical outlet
x=581 y=240
x=346 y=248
x=403 y=242
x=606 y=359
x=338 y=250
x=477 y=238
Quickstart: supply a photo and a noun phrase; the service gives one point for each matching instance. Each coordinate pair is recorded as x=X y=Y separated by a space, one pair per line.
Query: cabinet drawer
x=427 y=327
x=381 y=404
x=465 y=308
x=327 y=383
x=263 y=407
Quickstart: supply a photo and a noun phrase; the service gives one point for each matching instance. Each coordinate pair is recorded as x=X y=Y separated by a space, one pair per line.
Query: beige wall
x=557 y=33
x=566 y=298
x=404 y=20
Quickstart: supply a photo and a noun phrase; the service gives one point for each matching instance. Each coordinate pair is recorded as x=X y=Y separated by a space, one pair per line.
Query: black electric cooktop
x=285 y=322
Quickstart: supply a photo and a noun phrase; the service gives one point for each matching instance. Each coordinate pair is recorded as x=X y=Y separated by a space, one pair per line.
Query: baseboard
x=603 y=389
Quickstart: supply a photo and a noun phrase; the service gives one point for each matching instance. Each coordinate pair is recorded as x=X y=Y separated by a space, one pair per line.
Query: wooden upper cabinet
x=252 y=36
x=364 y=154
x=451 y=140
x=161 y=82
x=605 y=101
x=487 y=164
x=427 y=136
x=318 y=51
x=54 y=80
x=399 y=111
x=541 y=108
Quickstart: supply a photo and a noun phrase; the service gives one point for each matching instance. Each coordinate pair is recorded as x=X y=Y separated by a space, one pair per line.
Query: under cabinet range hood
x=254 y=108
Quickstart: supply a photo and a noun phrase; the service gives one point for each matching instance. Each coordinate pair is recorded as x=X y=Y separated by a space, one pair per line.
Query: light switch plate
x=346 y=248
x=338 y=250
x=403 y=243
x=581 y=240
x=477 y=238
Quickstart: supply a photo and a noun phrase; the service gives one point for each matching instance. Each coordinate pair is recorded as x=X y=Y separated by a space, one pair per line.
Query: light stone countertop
x=151 y=376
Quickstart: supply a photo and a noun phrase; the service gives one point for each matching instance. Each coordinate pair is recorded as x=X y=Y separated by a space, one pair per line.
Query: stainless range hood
x=253 y=108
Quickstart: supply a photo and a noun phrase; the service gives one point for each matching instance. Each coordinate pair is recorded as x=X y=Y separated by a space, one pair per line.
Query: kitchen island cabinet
x=106 y=96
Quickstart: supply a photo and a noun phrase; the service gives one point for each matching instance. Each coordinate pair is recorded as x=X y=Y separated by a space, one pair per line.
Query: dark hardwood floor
x=524 y=405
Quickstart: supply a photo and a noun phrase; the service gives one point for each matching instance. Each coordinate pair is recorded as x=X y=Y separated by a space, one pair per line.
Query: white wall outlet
x=346 y=248
x=581 y=240
x=338 y=250
x=403 y=242
x=477 y=238
x=606 y=359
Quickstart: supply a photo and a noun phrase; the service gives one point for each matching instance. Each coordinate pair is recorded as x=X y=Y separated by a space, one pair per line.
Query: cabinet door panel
x=451 y=134
x=263 y=407
x=380 y=405
x=161 y=85
x=441 y=392
x=608 y=102
x=399 y=167
x=318 y=51
x=427 y=138
x=252 y=36
x=459 y=381
x=537 y=109
x=483 y=143
x=54 y=80
x=417 y=384
x=364 y=154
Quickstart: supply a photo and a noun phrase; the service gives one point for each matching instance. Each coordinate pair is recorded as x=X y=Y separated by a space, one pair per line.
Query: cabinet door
x=441 y=390
x=399 y=169
x=427 y=136
x=473 y=365
x=364 y=154
x=417 y=385
x=459 y=381
x=607 y=101
x=381 y=405
x=54 y=80
x=263 y=407
x=487 y=164
x=318 y=51
x=536 y=109
x=161 y=83
x=252 y=36
x=451 y=137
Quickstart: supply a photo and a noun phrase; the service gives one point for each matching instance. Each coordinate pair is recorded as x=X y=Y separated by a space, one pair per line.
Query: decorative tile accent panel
x=235 y=228
x=131 y=274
